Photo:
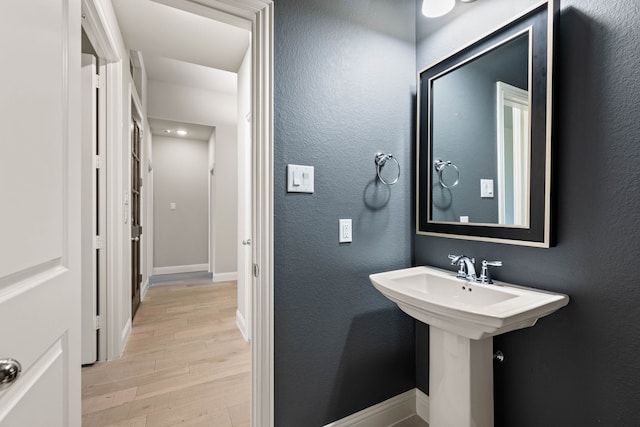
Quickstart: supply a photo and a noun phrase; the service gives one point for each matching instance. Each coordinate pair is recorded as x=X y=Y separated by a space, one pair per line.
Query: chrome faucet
x=466 y=266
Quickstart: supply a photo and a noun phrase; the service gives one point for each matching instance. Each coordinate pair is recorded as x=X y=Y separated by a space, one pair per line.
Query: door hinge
x=98 y=242
x=256 y=270
x=98 y=81
x=97 y=323
x=98 y=162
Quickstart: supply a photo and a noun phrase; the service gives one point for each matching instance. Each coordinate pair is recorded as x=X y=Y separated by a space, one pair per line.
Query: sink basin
x=463 y=318
x=465 y=308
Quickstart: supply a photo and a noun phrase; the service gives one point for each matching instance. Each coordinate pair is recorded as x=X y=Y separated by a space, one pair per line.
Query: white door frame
x=512 y=96
x=256 y=16
x=91 y=216
x=105 y=43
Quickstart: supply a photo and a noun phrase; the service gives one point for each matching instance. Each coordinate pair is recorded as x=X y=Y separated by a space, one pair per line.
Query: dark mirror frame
x=541 y=19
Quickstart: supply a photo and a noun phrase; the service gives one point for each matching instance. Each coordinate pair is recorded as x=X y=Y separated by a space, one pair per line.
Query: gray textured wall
x=344 y=85
x=180 y=176
x=579 y=366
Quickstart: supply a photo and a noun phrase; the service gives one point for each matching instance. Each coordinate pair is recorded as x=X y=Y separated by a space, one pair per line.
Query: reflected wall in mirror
x=465 y=130
x=484 y=136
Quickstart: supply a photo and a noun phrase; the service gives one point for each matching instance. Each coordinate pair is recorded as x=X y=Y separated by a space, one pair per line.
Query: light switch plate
x=486 y=188
x=300 y=179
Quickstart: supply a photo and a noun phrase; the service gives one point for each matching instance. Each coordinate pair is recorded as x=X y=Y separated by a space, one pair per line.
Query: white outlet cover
x=345 y=231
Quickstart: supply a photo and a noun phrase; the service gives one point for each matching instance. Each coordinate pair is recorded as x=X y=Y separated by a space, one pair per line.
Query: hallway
x=185 y=363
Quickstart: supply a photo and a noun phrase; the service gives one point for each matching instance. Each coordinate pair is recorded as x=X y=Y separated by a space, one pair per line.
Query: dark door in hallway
x=136 y=228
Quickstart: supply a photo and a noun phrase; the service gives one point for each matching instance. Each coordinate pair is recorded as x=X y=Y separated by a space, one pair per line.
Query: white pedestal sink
x=463 y=317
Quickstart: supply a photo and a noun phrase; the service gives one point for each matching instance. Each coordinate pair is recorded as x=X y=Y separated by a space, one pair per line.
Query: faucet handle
x=492 y=263
x=457 y=260
x=485 y=275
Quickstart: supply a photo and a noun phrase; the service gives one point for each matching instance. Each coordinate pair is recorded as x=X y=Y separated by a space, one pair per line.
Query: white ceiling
x=196 y=76
x=199 y=132
x=190 y=61
x=156 y=29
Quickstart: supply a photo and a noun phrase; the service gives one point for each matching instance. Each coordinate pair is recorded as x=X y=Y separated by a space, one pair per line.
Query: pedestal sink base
x=463 y=317
x=460 y=380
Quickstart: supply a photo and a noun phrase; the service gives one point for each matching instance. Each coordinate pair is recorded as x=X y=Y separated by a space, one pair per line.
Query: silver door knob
x=135 y=239
x=9 y=372
x=246 y=242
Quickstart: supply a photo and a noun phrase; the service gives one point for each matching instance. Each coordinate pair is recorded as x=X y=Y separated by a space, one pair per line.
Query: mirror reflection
x=480 y=133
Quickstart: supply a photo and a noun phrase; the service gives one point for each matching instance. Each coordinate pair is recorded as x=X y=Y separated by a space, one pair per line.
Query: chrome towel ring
x=380 y=160
x=439 y=166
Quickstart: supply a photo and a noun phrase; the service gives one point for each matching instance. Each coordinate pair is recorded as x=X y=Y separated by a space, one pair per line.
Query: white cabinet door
x=40 y=215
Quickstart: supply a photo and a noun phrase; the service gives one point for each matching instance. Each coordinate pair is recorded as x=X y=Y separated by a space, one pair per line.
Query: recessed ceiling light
x=167 y=131
x=181 y=132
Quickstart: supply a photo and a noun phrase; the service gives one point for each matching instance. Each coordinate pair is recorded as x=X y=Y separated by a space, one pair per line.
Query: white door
x=40 y=216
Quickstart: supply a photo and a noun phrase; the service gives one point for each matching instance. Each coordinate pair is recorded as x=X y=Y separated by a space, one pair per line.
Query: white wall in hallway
x=225 y=200
x=181 y=103
x=244 y=195
x=180 y=170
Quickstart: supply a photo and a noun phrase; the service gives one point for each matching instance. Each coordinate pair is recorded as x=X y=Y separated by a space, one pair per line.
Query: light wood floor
x=185 y=364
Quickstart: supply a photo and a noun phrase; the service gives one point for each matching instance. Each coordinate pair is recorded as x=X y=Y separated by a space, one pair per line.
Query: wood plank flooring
x=185 y=364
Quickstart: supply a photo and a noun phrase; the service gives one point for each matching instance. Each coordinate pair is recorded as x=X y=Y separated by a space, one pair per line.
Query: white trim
x=93 y=24
x=144 y=289
x=262 y=333
x=126 y=331
x=180 y=269
x=104 y=212
x=115 y=210
x=224 y=277
x=242 y=325
x=108 y=46
x=511 y=96
x=422 y=405
x=257 y=15
x=385 y=413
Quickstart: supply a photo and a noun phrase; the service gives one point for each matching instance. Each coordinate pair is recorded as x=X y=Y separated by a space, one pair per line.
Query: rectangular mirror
x=484 y=136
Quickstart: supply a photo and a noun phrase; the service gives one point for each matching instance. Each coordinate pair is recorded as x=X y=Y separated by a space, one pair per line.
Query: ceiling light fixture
x=167 y=131
x=436 y=8
x=181 y=132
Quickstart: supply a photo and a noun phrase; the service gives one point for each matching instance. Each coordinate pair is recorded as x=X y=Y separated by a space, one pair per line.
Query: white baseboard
x=242 y=325
x=180 y=269
x=422 y=405
x=383 y=414
x=144 y=289
x=124 y=335
x=224 y=277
